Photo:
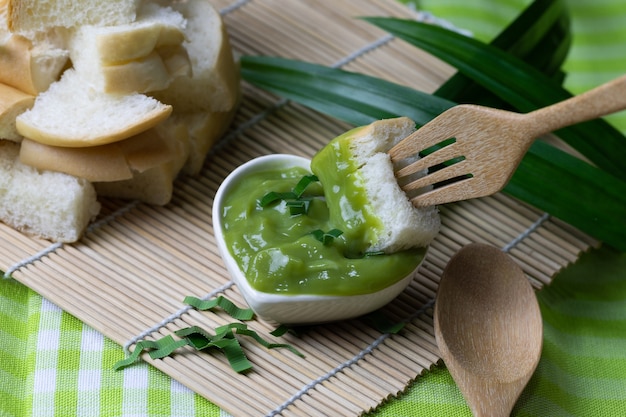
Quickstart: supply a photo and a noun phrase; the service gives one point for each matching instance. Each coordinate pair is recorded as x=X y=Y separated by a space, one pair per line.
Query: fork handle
x=603 y=100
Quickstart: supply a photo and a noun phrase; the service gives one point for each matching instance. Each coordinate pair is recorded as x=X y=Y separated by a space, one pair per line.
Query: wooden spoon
x=488 y=328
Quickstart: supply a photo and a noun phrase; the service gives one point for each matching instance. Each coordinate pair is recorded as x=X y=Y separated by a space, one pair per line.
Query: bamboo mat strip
x=128 y=276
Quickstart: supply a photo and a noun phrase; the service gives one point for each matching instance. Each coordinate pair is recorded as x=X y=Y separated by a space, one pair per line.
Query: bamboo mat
x=128 y=276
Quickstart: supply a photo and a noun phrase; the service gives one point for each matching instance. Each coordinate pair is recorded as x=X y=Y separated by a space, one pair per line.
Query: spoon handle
x=603 y=100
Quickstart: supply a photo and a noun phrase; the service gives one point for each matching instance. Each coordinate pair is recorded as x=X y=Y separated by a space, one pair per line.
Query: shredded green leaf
x=280 y=330
x=157 y=349
x=298 y=207
x=243 y=329
x=273 y=197
x=296 y=202
x=223 y=340
x=326 y=237
x=301 y=186
x=222 y=302
x=235 y=354
x=196 y=337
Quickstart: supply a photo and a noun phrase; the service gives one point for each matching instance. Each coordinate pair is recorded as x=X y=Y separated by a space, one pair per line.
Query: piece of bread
x=213 y=68
x=50 y=205
x=359 y=163
x=12 y=103
x=30 y=16
x=154 y=185
x=154 y=27
x=142 y=56
x=96 y=118
x=111 y=162
x=30 y=66
x=79 y=129
x=205 y=129
x=141 y=75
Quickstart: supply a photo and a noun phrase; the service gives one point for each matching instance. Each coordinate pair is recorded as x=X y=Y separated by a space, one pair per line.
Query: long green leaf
x=573 y=191
x=347 y=96
x=511 y=79
x=369 y=98
x=355 y=98
x=532 y=27
x=540 y=36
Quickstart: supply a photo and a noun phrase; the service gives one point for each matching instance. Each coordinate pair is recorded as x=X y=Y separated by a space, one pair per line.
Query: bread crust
x=97 y=118
x=136 y=42
x=26 y=67
x=89 y=139
x=214 y=69
x=12 y=103
x=112 y=162
x=30 y=16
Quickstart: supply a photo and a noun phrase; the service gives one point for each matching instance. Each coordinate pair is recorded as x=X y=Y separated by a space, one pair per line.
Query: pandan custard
x=294 y=254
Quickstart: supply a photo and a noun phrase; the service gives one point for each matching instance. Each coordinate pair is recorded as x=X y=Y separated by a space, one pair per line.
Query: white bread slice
x=13 y=102
x=30 y=66
x=111 y=162
x=142 y=75
x=71 y=114
x=142 y=56
x=359 y=159
x=30 y=16
x=213 y=70
x=50 y=205
x=154 y=27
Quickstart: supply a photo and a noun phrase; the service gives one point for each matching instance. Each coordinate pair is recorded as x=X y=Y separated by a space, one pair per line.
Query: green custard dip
x=279 y=253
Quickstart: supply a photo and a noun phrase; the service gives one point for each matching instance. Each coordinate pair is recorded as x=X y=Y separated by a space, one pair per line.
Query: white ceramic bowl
x=293 y=309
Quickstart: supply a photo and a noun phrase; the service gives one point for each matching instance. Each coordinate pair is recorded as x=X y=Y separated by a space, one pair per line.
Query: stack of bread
x=108 y=98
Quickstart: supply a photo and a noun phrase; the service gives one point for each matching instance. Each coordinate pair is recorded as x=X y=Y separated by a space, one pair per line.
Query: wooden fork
x=488 y=144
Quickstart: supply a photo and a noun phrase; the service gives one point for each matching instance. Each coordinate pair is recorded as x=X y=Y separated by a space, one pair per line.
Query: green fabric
x=51 y=364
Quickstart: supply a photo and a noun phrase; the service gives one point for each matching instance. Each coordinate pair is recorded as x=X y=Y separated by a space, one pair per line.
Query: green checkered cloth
x=51 y=364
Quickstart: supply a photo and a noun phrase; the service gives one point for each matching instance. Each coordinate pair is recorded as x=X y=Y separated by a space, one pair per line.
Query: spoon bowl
x=488 y=328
